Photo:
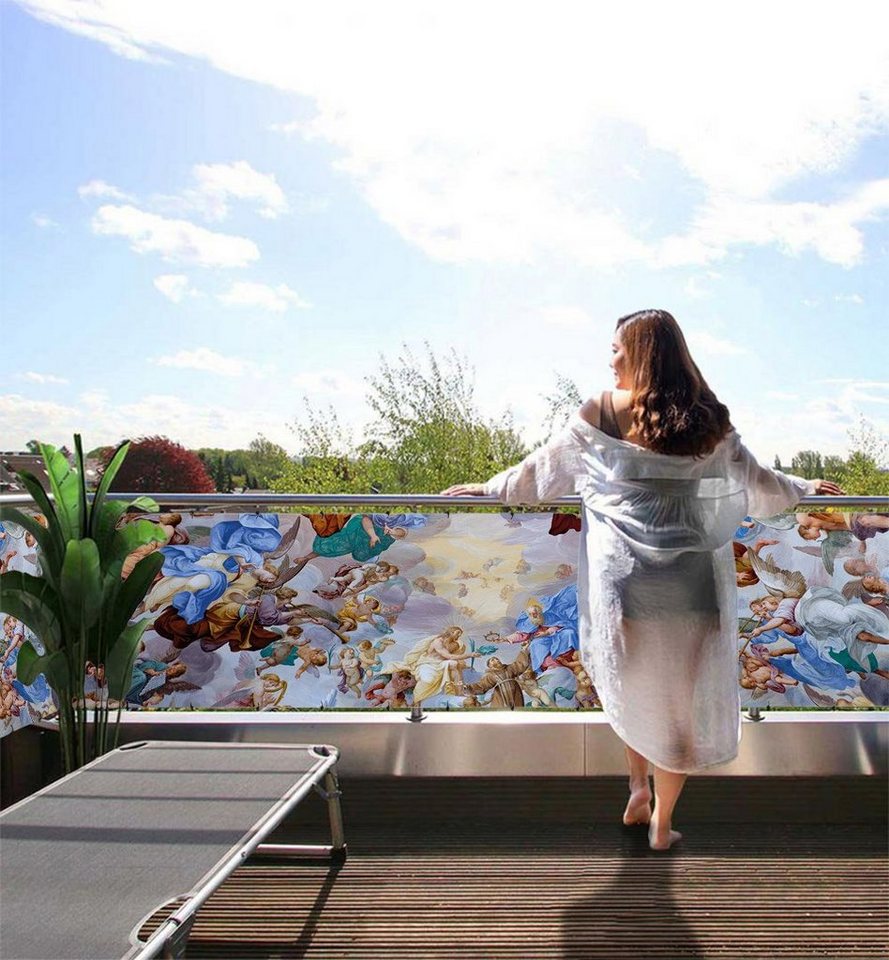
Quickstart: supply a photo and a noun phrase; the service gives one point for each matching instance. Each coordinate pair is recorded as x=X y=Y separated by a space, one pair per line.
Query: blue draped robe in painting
x=354 y=541
x=248 y=537
x=560 y=610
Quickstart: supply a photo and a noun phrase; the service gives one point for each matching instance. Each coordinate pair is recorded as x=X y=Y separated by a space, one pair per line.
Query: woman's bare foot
x=638 y=807
x=662 y=838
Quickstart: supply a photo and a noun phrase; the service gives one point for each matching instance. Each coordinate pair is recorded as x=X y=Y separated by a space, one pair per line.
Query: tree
x=866 y=471
x=158 y=465
x=429 y=426
x=808 y=464
x=329 y=461
x=266 y=462
x=427 y=434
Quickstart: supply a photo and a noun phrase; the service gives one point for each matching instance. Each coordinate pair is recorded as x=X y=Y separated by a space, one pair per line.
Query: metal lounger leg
x=335 y=812
x=337 y=849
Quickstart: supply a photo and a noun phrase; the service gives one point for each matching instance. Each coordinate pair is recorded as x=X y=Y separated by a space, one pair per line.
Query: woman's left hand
x=827 y=488
x=464 y=490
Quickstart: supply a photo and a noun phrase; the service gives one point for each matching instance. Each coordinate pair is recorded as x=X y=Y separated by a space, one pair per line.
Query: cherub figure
x=351 y=578
x=11 y=701
x=369 y=653
x=362 y=609
x=13 y=638
x=774 y=614
x=350 y=671
x=776 y=611
x=167 y=684
x=530 y=685
x=281 y=652
x=391 y=692
x=253 y=692
x=170 y=532
x=759 y=674
x=585 y=695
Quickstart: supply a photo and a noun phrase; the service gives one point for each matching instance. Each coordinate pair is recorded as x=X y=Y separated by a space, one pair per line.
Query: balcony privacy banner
x=469 y=611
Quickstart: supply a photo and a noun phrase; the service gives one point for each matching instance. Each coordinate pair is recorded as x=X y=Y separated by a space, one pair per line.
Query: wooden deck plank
x=534 y=883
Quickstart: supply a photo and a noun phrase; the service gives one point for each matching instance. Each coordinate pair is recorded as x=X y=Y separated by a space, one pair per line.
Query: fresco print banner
x=262 y=611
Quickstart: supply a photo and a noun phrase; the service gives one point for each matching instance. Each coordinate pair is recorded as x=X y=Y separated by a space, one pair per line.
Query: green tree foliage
x=428 y=433
x=865 y=472
x=808 y=464
x=266 y=461
x=252 y=469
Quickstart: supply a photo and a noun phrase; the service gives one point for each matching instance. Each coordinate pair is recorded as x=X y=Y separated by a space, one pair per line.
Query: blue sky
x=211 y=211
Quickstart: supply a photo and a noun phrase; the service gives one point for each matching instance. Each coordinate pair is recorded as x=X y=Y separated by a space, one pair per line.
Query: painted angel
x=776 y=610
x=253 y=692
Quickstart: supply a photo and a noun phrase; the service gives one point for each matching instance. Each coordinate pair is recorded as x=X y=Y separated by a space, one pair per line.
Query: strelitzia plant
x=79 y=607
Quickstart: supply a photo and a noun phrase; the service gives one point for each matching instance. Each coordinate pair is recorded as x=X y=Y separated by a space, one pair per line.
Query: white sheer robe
x=657 y=594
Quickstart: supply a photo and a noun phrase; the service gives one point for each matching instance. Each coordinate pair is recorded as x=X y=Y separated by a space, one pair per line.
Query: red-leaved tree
x=158 y=465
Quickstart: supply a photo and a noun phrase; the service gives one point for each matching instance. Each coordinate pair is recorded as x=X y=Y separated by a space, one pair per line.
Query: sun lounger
x=88 y=859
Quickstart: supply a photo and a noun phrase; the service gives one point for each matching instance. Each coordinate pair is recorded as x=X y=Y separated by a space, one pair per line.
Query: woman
x=665 y=481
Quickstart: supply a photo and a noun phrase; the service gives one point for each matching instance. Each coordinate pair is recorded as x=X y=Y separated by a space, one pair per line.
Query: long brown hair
x=674 y=410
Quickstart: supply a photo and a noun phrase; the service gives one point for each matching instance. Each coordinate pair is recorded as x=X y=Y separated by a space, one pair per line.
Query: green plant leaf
x=50 y=558
x=30 y=664
x=35 y=602
x=104 y=523
x=45 y=506
x=83 y=509
x=133 y=535
x=119 y=662
x=81 y=583
x=130 y=593
x=65 y=484
x=144 y=505
x=105 y=485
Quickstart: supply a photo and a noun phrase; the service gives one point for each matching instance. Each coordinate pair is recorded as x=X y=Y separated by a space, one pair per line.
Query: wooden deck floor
x=479 y=869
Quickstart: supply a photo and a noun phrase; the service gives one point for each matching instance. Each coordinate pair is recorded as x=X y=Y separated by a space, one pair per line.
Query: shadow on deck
x=537 y=868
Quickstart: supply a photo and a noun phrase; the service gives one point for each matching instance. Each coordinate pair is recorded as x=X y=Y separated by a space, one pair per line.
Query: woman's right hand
x=464 y=490
x=827 y=488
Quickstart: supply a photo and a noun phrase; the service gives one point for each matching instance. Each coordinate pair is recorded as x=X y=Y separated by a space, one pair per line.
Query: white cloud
x=217 y=183
x=706 y=343
x=276 y=299
x=43 y=377
x=176 y=241
x=104 y=420
x=44 y=222
x=821 y=420
x=832 y=230
x=206 y=360
x=99 y=188
x=175 y=286
x=513 y=164
x=855 y=298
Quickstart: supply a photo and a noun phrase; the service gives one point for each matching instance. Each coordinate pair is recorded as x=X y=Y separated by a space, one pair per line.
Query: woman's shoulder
x=591 y=409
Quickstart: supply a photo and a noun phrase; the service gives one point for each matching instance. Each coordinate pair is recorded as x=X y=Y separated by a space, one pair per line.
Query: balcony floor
x=525 y=869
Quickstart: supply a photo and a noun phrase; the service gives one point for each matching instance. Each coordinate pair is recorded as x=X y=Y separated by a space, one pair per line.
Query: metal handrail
x=386 y=500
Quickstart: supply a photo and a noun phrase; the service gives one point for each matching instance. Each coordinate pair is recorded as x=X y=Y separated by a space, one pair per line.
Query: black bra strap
x=607 y=417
